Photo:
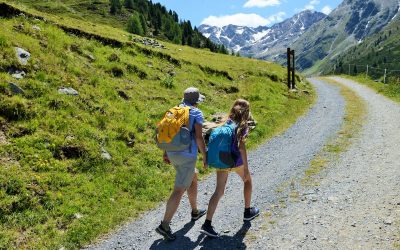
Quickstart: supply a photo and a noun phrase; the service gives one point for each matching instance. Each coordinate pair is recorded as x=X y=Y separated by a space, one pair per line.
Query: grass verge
x=391 y=90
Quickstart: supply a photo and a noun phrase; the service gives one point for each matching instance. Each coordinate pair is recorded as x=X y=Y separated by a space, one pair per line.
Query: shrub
x=15 y=108
x=117 y=71
x=168 y=82
x=113 y=58
x=3 y=41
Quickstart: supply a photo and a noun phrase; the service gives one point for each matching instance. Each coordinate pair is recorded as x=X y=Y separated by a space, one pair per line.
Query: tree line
x=153 y=19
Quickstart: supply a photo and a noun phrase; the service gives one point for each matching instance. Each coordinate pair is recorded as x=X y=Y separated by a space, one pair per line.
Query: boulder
x=90 y=57
x=18 y=74
x=105 y=155
x=35 y=27
x=22 y=55
x=15 y=88
x=67 y=91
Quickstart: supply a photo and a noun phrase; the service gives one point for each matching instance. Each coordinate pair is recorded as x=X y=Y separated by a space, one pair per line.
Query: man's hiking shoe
x=251 y=214
x=209 y=230
x=200 y=213
x=167 y=234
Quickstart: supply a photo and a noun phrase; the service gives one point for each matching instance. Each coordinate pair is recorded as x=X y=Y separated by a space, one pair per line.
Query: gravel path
x=357 y=205
x=276 y=162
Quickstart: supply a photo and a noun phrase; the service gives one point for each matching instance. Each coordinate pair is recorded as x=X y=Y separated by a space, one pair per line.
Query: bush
x=117 y=71
x=168 y=82
x=3 y=41
x=15 y=108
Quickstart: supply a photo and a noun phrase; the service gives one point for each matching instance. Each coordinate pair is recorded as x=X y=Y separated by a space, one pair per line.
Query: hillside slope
x=379 y=52
x=143 y=16
x=73 y=166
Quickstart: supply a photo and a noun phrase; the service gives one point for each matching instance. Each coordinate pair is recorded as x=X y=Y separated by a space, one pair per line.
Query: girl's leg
x=222 y=176
x=248 y=185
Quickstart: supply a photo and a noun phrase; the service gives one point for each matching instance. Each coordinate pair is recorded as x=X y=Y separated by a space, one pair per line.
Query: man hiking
x=184 y=162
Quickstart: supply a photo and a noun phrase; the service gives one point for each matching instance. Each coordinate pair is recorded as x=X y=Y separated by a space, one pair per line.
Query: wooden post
x=366 y=76
x=288 y=68
x=349 y=70
x=384 y=77
x=293 y=71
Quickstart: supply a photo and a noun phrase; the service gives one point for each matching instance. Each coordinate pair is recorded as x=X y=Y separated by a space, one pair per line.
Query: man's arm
x=200 y=142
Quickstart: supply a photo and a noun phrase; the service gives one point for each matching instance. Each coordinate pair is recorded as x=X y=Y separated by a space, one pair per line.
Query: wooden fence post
x=384 y=77
x=293 y=71
x=288 y=68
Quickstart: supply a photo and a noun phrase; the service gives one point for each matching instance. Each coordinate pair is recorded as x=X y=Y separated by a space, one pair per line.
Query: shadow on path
x=203 y=242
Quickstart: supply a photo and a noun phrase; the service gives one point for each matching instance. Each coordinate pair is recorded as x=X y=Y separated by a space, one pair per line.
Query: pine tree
x=115 y=6
x=143 y=22
x=134 y=26
x=129 y=4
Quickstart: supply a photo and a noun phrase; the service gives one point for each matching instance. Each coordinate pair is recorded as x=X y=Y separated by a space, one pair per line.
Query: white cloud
x=326 y=10
x=261 y=3
x=241 y=19
x=311 y=5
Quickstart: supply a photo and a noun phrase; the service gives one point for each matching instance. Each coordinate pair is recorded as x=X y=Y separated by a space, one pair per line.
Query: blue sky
x=244 y=12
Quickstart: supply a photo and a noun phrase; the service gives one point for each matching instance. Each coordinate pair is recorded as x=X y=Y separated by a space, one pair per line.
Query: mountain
x=262 y=42
x=379 y=51
x=348 y=25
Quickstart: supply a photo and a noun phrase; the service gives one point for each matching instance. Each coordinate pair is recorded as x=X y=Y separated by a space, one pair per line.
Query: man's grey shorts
x=185 y=169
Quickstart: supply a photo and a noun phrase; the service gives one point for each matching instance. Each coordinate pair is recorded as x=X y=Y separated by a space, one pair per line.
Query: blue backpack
x=219 y=154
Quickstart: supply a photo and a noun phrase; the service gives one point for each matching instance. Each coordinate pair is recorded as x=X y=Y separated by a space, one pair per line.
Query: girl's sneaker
x=209 y=230
x=251 y=214
x=166 y=233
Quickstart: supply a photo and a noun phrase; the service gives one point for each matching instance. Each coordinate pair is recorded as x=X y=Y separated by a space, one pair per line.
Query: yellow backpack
x=173 y=132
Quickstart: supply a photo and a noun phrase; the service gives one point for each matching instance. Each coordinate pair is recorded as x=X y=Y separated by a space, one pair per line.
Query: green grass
x=355 y=112
x=391 y=90
x=58 y=191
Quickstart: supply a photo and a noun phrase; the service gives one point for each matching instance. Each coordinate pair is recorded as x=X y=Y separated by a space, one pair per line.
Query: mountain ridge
x=256 y=42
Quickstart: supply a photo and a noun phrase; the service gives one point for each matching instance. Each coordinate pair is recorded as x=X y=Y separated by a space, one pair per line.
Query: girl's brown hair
x=240 y=114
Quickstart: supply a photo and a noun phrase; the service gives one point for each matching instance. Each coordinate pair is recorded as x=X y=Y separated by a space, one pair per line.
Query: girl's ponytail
x=240 y=114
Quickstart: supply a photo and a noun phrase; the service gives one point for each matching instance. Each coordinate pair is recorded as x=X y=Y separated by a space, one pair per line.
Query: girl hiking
x=237 y=119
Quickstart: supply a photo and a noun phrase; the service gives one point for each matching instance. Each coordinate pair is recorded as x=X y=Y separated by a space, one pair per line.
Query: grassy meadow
x=56 y=187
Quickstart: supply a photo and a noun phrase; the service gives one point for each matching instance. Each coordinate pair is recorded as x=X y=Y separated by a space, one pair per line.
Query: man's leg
x=192 y=194
x=172 y=204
